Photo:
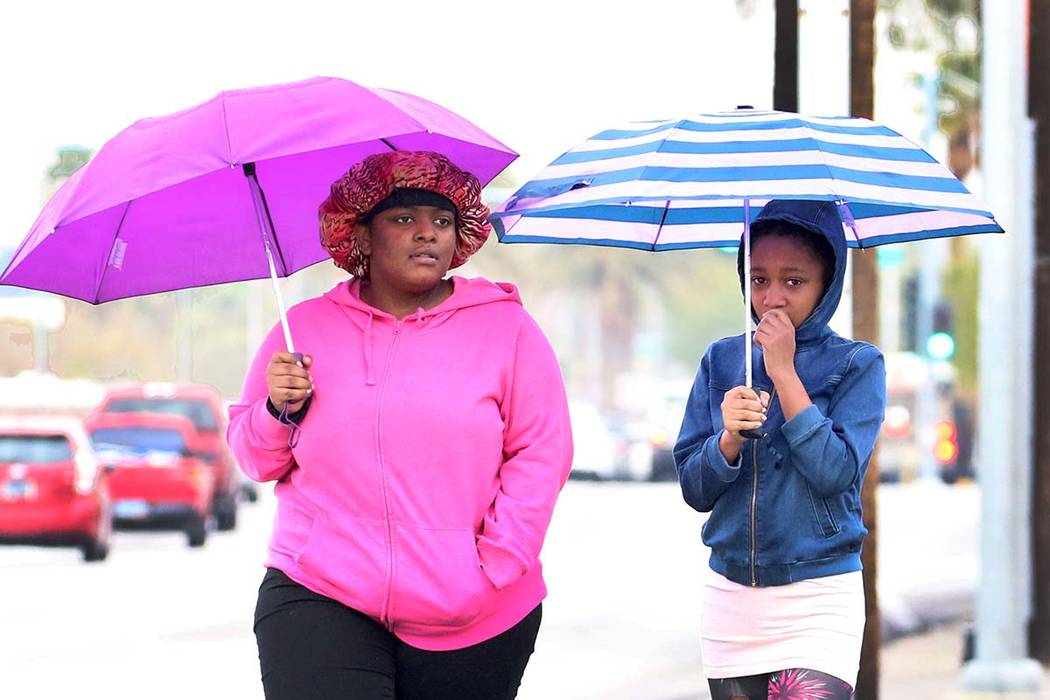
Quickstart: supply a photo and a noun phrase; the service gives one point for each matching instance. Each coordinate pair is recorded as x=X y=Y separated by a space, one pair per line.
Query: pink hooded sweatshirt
x=428 y=463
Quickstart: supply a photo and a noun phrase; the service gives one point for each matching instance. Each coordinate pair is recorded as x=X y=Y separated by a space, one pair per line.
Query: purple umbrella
x=227 y=190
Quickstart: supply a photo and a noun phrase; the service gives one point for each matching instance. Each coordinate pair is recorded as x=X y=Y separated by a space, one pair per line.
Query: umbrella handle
x=748 y=382
x=754 y=433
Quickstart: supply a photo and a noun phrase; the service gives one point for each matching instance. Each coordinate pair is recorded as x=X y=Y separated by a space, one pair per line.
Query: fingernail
x=309 y=391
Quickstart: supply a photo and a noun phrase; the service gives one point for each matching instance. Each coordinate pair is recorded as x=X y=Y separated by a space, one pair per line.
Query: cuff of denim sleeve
x=501 y=568
x=717 y=462
x=802 y=426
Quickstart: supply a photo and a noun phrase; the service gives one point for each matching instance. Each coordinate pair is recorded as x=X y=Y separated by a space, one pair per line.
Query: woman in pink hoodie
x=418 y=449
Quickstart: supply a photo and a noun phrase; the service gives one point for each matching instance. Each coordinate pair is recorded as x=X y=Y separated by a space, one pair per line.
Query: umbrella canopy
x=189 y=199
x=683 y=184
x=696 y=183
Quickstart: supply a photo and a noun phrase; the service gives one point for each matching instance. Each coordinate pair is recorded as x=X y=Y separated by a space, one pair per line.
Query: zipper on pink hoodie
x=421 y=499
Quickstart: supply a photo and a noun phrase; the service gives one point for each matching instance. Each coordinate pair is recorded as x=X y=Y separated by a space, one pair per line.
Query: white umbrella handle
x=757 y=433
x=280 y=298
x=748 y=378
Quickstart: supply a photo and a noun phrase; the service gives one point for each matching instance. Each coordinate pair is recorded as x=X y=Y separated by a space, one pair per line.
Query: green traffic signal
x=940 y=346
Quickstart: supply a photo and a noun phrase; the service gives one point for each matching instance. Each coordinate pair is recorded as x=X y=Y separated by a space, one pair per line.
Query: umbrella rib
x=109 y=255
x=271 y=232
x=226 y=128
x=389 y=145
x=660 y=227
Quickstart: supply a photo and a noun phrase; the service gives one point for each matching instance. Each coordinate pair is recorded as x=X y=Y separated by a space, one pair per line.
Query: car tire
x=225 y=509
x=250 y=492
x=97 y=548
x=663 y=468
x=197 y=531
x=94 y=551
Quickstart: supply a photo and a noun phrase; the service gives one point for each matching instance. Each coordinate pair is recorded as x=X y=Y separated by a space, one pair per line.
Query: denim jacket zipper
x=754 y=494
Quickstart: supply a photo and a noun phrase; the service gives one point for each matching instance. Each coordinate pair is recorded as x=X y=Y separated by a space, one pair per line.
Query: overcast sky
x=539 y=75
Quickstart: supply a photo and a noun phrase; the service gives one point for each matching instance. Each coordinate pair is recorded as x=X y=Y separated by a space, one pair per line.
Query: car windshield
x=138 y=441
x=197 y=410
x=37 y=449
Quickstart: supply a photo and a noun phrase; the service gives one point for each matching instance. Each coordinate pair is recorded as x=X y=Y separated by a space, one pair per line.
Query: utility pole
x=1005 y=421
x=866 y=327
x=1039 y=111
x=785 y=57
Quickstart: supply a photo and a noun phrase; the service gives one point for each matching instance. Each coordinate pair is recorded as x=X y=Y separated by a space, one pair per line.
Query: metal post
x=41 y=347
x=1005 y=411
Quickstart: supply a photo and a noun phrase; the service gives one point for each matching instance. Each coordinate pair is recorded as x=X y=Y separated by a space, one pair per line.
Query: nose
x=774 y=297
x=425 y=231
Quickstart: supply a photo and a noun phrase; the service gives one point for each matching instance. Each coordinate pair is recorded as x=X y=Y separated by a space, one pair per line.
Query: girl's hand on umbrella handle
x=288 y=380
x=743 y=409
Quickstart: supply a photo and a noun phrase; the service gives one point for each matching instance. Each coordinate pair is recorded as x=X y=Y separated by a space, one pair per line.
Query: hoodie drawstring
x=369 y=369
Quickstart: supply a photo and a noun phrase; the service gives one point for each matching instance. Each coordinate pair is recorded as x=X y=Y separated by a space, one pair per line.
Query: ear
x=363 y=235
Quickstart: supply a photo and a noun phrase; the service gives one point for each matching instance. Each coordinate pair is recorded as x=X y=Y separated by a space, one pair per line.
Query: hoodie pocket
x=823 y=515
x=348 y=557
x=438 y=579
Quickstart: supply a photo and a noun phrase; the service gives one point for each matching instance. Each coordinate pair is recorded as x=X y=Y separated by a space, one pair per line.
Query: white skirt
x=817 y=624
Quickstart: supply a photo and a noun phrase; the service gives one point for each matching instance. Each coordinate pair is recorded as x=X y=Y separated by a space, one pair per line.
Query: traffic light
x=946 y=446
x=941 y=343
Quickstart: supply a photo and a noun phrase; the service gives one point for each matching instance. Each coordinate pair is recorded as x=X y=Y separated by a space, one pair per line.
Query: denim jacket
x=789 y=509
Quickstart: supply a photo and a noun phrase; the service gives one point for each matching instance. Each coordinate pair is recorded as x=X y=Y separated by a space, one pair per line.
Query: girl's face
x=409 y=248
x=786 y=275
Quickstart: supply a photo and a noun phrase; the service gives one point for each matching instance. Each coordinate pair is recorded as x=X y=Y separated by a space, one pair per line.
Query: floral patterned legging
x=790 y=684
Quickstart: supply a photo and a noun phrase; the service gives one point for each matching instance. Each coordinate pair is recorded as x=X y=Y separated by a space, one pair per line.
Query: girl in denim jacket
x=784 y=597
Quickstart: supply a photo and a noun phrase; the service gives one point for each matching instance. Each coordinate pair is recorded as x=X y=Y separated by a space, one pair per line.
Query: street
x=623 y=565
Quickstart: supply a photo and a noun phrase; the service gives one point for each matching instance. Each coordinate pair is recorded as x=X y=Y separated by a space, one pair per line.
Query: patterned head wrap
x=369 y=182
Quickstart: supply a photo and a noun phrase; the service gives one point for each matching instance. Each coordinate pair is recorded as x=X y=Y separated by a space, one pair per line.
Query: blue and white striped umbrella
x=667 y=185
x=695 y=183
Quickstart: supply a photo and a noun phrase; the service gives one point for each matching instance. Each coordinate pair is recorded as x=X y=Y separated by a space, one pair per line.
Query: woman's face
x=409 y=248
x=786 y=275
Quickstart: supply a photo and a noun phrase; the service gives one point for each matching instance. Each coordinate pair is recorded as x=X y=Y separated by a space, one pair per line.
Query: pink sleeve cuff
x=500 y=567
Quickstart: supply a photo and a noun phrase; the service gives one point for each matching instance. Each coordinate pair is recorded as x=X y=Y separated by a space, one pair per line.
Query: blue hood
x=822 y=219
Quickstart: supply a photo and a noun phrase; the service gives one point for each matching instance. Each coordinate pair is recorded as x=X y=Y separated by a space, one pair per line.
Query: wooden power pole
x=1039 y=110
x=785 y=57
x=865 y=274
x=866 y=327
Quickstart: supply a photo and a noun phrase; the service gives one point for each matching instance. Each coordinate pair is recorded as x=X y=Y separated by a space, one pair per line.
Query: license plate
x=131 y=510
x=19 y=490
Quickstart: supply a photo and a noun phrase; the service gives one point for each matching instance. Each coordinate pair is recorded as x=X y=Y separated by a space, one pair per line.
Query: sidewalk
x=927 y=666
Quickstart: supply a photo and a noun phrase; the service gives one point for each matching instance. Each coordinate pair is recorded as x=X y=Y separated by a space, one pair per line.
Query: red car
x=156 y=475
x=201 y=404
x=52 y=489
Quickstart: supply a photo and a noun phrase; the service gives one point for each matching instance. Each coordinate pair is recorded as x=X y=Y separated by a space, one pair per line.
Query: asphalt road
x=623 y=565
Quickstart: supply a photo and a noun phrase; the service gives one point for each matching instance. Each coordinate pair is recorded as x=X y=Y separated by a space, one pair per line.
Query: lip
x=424 y=257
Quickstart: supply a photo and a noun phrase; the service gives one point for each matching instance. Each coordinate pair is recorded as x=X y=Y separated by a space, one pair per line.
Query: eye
x=795 y=282
x=403 y=219
x=443 y=221
x=758 y=281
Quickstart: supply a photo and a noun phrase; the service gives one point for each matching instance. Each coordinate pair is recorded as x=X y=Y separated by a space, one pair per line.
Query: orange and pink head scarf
x=369 y=182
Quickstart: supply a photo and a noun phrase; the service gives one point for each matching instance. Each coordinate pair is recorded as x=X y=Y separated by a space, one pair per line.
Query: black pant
x=789 y=684
x=314 y=648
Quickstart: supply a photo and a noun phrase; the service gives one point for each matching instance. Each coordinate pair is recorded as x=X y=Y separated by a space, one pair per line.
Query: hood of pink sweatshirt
x=427 y=467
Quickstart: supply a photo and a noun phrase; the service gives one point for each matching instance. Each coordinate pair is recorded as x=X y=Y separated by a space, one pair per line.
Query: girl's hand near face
x=776 y=336
x=289 y=381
